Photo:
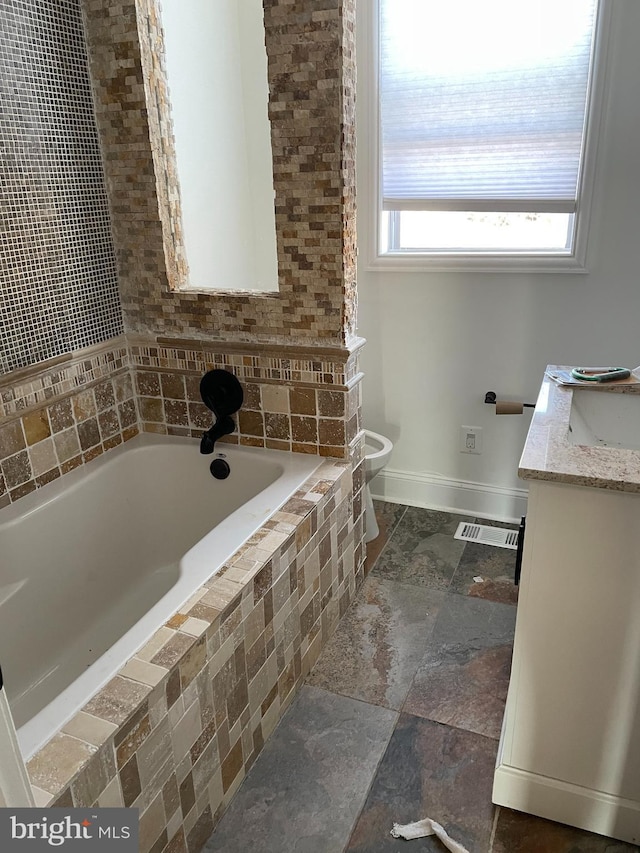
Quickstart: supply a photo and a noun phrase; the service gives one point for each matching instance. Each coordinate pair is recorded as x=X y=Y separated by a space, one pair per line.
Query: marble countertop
x=549 y=455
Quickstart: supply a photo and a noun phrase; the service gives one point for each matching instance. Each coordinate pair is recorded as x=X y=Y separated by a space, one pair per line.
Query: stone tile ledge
x=549 y=455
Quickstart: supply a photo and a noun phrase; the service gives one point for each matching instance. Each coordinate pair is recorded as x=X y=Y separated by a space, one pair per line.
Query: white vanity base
x=570 y=746
x=538 y=795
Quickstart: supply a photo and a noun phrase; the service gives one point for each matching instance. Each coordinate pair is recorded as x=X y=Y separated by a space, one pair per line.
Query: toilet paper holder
x=492 y=398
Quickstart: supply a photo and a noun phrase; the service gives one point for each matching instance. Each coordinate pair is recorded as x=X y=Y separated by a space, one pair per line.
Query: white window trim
x=525 y=262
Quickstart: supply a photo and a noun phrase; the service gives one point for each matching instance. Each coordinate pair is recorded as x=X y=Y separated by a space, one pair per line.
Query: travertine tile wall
x=174 y=733
x=290 y=403
x=310 y=48
x=62 y=417
x=73 y=409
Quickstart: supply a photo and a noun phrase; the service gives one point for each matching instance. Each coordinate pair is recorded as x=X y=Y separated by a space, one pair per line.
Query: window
x=484 y=113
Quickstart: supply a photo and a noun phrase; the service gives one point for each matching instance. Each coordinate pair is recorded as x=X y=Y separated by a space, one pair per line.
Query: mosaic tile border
x=245 y=367
x=175 y=732
x=43 y=383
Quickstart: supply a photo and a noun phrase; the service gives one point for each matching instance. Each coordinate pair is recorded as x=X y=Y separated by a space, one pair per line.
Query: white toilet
x=377 y=451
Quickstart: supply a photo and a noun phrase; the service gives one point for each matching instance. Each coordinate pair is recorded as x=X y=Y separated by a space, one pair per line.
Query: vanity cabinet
x=570 y=745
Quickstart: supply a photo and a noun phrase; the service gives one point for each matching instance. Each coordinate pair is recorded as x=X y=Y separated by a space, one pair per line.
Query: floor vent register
x=500 y=536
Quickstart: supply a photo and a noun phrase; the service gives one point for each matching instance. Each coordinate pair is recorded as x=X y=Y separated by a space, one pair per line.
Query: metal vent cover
x=500 y=536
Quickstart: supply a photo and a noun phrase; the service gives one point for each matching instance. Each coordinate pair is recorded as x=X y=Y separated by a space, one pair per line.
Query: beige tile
x=194 y=627
x=144 y=672
x=216 y=599
x=89 y=728
x=186 y=732
x=41 y=798
x=275 y=398
x=43 y=457
x=161 y=636
x=153 y=753
x=117 y=700
x=156 y=784
x=215 y=790
x=94 y=777
x=152 y=825
x=157 y=704
x=67 y=444
x=84 y=405
x=52 y=767
x=174 y=823
x=111 y=797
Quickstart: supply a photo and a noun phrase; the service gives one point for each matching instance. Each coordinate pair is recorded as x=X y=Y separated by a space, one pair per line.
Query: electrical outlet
x=470 y=439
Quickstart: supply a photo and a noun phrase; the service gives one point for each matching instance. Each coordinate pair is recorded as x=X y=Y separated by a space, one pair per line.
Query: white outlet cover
x=465 y=433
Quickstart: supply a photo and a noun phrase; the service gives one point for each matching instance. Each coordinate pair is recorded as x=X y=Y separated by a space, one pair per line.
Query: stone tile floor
x=400 y=718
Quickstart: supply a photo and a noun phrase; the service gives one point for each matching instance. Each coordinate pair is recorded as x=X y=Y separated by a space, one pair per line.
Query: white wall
x=217 y=72
x=438 y=341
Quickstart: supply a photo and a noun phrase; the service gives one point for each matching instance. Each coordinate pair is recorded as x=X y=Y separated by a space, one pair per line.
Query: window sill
x=480 y=262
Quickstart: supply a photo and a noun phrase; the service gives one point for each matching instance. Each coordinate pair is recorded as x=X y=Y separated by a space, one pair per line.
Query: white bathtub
x=92 y=564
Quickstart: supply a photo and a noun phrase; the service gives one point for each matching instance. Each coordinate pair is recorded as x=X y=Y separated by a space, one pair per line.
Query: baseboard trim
x=458 y=496
x=552 y=799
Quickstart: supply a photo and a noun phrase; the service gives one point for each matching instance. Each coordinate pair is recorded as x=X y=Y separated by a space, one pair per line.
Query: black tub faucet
x=223 y=426
x=222 y=393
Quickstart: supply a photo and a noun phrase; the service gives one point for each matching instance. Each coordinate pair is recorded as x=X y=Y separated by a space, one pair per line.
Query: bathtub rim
x=38 y=498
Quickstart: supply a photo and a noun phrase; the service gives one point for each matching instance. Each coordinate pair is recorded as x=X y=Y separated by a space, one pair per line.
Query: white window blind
x=482 y=103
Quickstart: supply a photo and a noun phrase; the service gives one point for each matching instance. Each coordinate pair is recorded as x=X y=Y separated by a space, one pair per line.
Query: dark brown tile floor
x=414 y=678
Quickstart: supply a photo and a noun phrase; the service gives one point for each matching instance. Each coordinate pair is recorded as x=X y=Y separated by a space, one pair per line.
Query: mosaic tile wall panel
x=310 y=48
x=57 y=265
x=175 y=732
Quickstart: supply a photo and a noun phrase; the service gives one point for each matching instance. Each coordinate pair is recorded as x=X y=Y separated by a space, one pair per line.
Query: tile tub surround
x=67 y=411
x=311 y=70
x=174 y=733
x=548 y=454
x=292 y=400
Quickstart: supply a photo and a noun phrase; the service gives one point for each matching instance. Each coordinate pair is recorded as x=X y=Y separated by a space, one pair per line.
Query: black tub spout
x=222 y=393
x=223 y=426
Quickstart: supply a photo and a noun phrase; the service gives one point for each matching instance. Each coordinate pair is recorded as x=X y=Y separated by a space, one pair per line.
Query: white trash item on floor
x=423 y=828
x=377 y=452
